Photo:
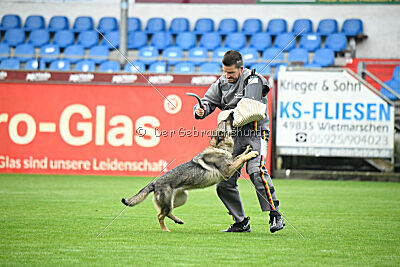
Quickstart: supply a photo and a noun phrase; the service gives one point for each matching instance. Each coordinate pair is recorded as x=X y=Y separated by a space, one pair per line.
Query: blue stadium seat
x=10 y=64
x=272 y=55
x=186 y=40
x=302 y=26
x=74 y=53
x=172 y=54
x=110 y=66
x=4 y=50
x=210 y=40
x=83 y=23
x=24 y=52
x=179 y=25
x=60 y=65
x=298 y=55
x=310 y=41
x=134 y=24
x=276 y=26
x=260 y=41
x=227 y=26
x=98 y=53
x=137 y=40
x=324 y=57
x=34 y=22
x=197 y=55
x=135 y=67
x=285 y=41
x=336 y=41
x=32 y=64
x=14 y=37
x=252 y=26
x=394 y=85
x=396 y=73
x=235 y=41
x=58 y=23
x=249 y=55
x=210 y=68
x=111 y=39
x=312 y=66
x=158 y=67
x=327 y=26
x=155 y=25
x=184 y=68
x=161 y=40
x=219 y=53
x=39 y=37
x=87 y=39
x=148 y=54
x=10 y=21
x=352 y=27
x=63 y=38
x=203 y=25
x=85 y=66
x=107 y=24
x=262 y=68
x=49 y=52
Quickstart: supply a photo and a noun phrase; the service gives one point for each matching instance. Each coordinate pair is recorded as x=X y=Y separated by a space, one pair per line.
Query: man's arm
x=211 y=100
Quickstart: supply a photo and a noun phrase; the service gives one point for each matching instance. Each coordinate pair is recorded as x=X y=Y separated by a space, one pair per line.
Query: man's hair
x=232 y=57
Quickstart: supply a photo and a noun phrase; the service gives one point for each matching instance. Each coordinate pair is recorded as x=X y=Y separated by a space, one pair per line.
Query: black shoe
x=243 y=226
x=276 y=223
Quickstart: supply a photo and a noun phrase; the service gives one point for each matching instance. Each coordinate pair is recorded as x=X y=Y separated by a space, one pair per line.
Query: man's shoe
x=276 y=223
x=243 y=226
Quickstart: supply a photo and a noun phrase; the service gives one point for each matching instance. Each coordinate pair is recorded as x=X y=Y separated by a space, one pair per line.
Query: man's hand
x=199 y=112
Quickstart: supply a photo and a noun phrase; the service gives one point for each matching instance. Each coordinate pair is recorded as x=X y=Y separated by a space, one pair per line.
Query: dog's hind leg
x=161 y=218
x=180 y=198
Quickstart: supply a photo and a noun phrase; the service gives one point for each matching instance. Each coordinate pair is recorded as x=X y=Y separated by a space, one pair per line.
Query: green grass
x=54 y=220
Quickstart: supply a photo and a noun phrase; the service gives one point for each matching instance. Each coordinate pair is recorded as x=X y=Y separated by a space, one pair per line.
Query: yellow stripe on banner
x=255 y=125
x=271 y=202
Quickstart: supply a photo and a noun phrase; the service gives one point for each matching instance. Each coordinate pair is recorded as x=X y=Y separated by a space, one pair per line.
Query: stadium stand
x=161 y=40
x=298 y=55
x=83 y=23
x=184 y=68
x=87 y=39
x=148 y=54
x=32 y=64
x=336 y=41
x=250 y=55
x=10 y=21
x=210 y=40
x=110 y=66
x=111 y=39
x=276 y=26
x=63 y=38
x=310 y=41
x=251 y=26
x=186 y=40
x=302 y=26
x=14 y=37
x=228 y=25
x=137 y=40
x=396 y=73
x=272 y=55
x=4 y=50
x=34 y=22
x=179 y=25
x=260 y=41
x=58 y=23
x=134 y=24
x=324 y=57
x=10 y=64
x=98 y=53
x=49 y=52
x=236 y=41
x=85 y=66
x=352 y=27
x=107 y=24
x=393 y=83
x=262 y=68
x=135 y=67
x=39 y=37
x=285 y=41
x=203 y=25
x=74 y=53
x=155 y=25
x=173 y=54
x=24 y=52
x=210 y=68
x=60 y=65
x=218 y=53
x=197 y=55
x=327 y=26
x=158 y=67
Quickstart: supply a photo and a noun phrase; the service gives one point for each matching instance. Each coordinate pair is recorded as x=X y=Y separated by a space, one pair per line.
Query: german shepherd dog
x=207 y=168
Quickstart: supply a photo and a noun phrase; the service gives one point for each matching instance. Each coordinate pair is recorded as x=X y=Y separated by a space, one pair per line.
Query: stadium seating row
x=393 y=83
x=350 y=27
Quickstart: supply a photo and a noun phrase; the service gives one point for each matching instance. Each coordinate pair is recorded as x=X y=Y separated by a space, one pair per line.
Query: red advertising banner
x=99 y=129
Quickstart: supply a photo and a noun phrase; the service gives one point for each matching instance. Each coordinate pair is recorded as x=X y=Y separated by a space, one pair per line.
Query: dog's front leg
x=248 y=148
x=237 y=163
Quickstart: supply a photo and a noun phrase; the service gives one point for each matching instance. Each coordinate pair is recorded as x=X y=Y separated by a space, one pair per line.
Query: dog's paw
x=248 y=148
x=253 y=154
x=180 y=222
x=124 y=202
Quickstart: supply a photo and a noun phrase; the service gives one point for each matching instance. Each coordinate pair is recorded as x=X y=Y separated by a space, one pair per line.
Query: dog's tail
x=140 y=196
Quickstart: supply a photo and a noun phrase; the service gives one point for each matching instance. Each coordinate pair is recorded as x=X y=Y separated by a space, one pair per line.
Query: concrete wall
x=381 y=22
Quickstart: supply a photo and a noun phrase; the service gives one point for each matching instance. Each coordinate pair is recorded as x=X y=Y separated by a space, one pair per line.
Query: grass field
x=54 y=220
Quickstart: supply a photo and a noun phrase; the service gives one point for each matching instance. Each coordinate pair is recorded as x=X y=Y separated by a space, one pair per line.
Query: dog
x=213 y=164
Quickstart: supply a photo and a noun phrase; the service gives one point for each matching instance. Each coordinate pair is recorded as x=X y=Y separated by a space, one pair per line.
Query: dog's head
x=222 y=137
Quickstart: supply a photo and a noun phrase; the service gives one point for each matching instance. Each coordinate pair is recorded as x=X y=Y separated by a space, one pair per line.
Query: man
x=225 y=94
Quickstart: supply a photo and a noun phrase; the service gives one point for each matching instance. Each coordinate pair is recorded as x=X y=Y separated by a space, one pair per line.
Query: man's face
x=232 y=73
